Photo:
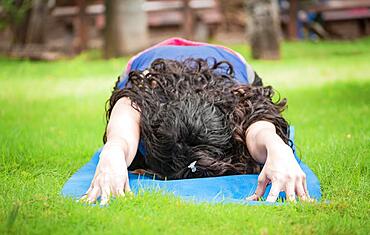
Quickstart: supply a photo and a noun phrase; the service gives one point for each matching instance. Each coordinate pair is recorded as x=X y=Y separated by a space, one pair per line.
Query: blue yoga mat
x=222 y=189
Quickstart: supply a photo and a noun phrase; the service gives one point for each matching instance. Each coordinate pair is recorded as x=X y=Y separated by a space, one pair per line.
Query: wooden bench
x=205 y=14
x=344 y=19
x=199 y=18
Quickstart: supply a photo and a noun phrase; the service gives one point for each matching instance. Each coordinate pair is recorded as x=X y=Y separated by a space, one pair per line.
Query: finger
x=252 y=197
x=117 y=188
x=84 y=196
x=301 y=190
x=128 y=191
x=304 y=183
x=90 y=188
x=120 y=192
x=93 y=195
x=127 y=186
x=289 y=191
x=274 y=191
x=105 y=195
x=261 y=188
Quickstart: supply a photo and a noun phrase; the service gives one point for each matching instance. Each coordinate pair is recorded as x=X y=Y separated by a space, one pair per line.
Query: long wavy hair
x=195 y=110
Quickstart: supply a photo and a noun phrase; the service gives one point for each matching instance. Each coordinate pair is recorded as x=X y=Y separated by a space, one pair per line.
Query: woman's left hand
x=284 y=173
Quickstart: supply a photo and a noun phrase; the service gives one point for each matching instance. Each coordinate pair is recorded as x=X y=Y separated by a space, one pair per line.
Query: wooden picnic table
x=334 y=5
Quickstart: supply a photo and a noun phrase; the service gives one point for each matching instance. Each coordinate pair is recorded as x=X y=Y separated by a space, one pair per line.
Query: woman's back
x=180 y=49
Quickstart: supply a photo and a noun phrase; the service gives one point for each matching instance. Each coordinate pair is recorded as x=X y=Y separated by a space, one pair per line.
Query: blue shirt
x=243 y=72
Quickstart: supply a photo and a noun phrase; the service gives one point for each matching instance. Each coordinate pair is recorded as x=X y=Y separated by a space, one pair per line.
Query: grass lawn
x=52 y=120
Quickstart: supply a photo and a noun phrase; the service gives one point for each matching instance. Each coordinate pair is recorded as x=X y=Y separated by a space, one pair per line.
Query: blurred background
x=53 y=29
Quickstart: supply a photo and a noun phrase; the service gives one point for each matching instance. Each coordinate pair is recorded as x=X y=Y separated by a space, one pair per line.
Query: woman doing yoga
x=186 y=110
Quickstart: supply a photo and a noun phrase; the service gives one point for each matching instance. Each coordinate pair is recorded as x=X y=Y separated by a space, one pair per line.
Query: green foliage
x=14 y=11
x=52 y=120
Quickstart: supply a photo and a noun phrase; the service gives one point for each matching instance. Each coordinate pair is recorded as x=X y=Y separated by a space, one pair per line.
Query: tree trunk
x=80 y=28
x=292 y=25
x=188 y=23
x=126 y=27
x=263 y=27
x=19 y=32
x=36 y=25
x=19 y=24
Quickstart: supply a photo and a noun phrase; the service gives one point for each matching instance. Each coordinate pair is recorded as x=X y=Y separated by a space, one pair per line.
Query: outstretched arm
x=123 y=133
x=123 y=128
x=280 y=167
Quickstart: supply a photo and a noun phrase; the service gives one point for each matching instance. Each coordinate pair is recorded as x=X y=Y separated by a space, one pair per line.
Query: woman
x=185 y=109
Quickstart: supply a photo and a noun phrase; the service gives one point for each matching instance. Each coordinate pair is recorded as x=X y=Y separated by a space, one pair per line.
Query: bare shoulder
x=125 y=108
x=124 y=101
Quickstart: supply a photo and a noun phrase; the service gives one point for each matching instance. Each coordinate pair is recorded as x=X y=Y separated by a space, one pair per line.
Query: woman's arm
x=280 y=167
x=123 y=133
x=124 y=128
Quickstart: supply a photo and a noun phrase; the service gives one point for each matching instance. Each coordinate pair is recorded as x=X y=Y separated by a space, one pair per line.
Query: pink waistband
x=180 y=42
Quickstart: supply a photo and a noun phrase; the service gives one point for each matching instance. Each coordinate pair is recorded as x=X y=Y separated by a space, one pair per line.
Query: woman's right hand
x=111 y=176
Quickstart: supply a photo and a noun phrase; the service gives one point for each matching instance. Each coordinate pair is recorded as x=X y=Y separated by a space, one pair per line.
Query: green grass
x=52 y=120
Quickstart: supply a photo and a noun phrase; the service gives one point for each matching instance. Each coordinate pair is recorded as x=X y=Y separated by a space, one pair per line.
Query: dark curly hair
x=195 y=110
